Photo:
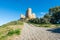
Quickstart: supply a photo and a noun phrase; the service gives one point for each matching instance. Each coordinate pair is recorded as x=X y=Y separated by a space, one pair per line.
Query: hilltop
x=11 y=30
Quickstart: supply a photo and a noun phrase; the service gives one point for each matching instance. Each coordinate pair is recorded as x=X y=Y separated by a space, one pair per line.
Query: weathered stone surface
x=22 y=16
x=29 y=14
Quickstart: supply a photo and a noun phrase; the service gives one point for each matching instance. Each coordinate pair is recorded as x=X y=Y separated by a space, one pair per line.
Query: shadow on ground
x=54 y=30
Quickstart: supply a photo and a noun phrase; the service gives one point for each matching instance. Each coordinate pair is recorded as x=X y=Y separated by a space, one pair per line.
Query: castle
x=29 y=14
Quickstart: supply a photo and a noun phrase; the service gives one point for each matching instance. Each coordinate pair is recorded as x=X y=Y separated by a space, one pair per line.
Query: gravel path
x=30 y=32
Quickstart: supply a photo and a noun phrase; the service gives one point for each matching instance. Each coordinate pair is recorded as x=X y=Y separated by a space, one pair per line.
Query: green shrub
x=11 y=32
x=17 y=31
x=46 y=26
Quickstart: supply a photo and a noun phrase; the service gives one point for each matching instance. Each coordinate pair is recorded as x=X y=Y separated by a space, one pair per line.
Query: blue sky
x=11 y=9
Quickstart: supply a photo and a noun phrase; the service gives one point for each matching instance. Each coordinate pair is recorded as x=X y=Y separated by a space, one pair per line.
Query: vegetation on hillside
x=13 y=23
x=52 y=17
x=10 y=29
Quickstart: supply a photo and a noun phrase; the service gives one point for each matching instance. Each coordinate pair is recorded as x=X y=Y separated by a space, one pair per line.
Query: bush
x=17 y=31
x=46 y=26
x=11 y=32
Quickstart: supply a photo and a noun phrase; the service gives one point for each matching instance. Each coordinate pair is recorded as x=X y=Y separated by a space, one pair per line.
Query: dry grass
x=4 y=31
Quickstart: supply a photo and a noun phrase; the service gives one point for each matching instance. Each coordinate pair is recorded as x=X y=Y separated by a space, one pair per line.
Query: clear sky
x=11 y=9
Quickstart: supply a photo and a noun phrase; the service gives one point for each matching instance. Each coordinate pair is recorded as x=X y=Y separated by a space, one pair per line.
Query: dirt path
x=30 y=32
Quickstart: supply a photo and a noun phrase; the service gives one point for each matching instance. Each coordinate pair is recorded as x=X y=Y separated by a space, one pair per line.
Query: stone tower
x=28 y=13
x=33 y=15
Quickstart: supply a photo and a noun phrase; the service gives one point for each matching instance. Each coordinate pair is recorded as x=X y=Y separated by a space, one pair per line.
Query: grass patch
x=57 y=25
x=12 y=23
x=43 y=25
x=10 y=29
x=11 y=32
x=17 y=31
x=46 y=25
